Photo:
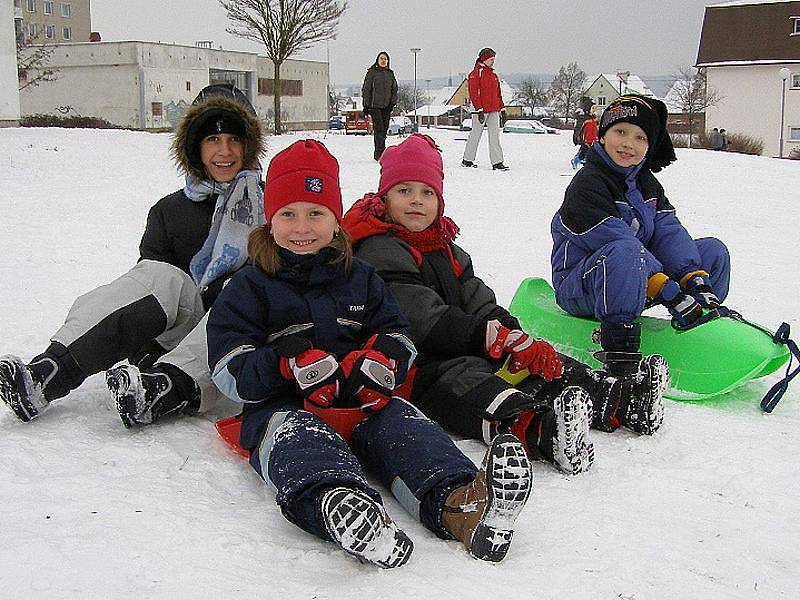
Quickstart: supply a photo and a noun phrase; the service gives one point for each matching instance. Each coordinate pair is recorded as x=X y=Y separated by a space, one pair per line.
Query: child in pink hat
x=463 y=336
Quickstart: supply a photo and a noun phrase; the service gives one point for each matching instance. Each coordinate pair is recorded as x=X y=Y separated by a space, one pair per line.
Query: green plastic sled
x=704 y=362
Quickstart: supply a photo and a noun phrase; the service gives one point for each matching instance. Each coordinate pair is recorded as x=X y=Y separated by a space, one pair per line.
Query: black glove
x=699 y=288
x=481 y=117
x=685 y=310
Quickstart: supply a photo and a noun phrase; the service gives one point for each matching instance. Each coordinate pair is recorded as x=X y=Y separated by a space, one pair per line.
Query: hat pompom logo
x=314 y=184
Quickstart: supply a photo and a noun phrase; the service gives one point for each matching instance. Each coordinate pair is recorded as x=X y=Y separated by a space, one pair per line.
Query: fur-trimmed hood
x=186 y=150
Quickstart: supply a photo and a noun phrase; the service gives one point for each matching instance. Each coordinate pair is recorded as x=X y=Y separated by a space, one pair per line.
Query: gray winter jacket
x=380 y=88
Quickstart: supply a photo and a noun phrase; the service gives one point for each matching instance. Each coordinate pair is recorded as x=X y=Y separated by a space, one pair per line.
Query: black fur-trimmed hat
x=649 y=114
x=218 y=108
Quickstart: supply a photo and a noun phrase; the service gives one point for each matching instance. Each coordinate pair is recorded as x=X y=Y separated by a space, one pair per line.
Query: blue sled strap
x=773 y=396
x=781 y=336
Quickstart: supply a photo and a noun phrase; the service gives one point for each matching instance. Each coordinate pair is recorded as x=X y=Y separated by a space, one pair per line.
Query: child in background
x=307 y=325
x=618 y=245
x=585 y=131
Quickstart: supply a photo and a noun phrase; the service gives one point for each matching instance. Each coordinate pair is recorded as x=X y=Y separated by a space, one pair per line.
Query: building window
x=188 y=86
x=157 y=108
x=601 y=100
x=66 y=10
x=32 y=30
x=794 y=134
x=67 y=31
x=795 y=80
x=49 y=31
x=289 y=87
x=30 y=5
x=18 y=4
x=795 y=25
x=47 y=7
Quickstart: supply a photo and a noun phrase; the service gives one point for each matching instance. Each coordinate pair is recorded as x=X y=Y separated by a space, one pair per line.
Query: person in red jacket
x=587 y=136
x=487 y=102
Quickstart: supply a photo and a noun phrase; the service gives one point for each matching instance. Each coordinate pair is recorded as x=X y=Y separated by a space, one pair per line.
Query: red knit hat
x=418 y=158
x=304 y=172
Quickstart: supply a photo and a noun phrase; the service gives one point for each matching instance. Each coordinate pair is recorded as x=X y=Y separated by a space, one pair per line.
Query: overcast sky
x=648 y=37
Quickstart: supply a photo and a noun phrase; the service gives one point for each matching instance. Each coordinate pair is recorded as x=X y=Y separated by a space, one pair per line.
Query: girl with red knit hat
x=312 y=343
x=463 y=336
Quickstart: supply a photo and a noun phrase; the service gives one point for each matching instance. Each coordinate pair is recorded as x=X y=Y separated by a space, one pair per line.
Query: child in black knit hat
x=619 y=246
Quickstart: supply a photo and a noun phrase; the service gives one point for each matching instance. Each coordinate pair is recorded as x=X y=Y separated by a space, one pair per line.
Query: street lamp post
x=428 y=98
x=784 y=72
x=414 y=51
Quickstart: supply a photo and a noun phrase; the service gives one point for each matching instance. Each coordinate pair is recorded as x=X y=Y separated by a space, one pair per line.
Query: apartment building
x=53 y=21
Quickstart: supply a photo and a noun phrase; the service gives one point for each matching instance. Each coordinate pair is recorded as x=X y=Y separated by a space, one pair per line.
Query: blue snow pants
x=300 y=456
x=611 y=284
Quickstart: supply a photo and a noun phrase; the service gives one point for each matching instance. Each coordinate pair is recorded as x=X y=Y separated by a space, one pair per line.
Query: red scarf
x=366 y=218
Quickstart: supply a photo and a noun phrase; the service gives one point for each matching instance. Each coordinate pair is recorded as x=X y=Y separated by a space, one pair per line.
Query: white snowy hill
x=707 y=508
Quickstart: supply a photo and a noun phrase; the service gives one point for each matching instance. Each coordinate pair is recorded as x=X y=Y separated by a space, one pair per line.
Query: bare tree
x=532 y=93
x=33 y=63
x=285 y=27
x=405 y=97
x=567 y=88
x=691 y=94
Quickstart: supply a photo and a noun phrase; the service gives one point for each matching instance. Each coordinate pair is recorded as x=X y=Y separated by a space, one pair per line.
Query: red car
x=357 y=122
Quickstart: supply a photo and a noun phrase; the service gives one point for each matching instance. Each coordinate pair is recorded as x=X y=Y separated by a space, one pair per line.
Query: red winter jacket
x=484 y=89
x=589 y=132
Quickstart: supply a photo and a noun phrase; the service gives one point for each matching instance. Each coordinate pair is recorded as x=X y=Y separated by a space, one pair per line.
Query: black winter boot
x=362 y=527
x=634 y=401
x=141 y=397
x=20 y=392
x=559 y=434
x=29 y=389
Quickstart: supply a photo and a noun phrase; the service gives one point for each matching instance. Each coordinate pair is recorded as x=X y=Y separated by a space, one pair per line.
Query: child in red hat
x=308 y=333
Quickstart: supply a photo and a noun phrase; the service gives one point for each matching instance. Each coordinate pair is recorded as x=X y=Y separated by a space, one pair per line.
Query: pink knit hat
x=418 y=158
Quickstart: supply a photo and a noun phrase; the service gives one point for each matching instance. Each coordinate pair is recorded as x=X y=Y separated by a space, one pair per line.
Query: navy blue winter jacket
x=599 y=207
x=309 y=296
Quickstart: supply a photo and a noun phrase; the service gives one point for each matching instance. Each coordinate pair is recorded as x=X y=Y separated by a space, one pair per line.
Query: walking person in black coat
x=379 y=95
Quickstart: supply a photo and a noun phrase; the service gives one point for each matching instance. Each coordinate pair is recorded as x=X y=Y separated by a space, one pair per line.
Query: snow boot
x=499 y=167
x=643 y=410
x=635 y=400
x=560 y=436
x=361 y=527
x=468 y=163
x=481 y=514
x=141 y=397
x=21 y=388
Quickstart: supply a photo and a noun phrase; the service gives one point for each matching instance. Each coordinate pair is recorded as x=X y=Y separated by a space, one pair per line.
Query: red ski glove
x=369 y=378
x=539 y=357
x=316 y=372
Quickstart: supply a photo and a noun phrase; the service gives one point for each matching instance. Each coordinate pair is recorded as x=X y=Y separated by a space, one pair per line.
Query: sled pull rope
x=781 y=336
x=775 y=393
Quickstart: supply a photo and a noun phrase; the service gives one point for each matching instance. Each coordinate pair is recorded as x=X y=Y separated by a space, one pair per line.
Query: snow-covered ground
x=707 y=508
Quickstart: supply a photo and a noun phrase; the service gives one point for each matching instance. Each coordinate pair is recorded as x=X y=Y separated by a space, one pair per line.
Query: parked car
x=400 y=125
x=357 y=123
x=519 y=126
x=336 y=122
x=549 y=129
